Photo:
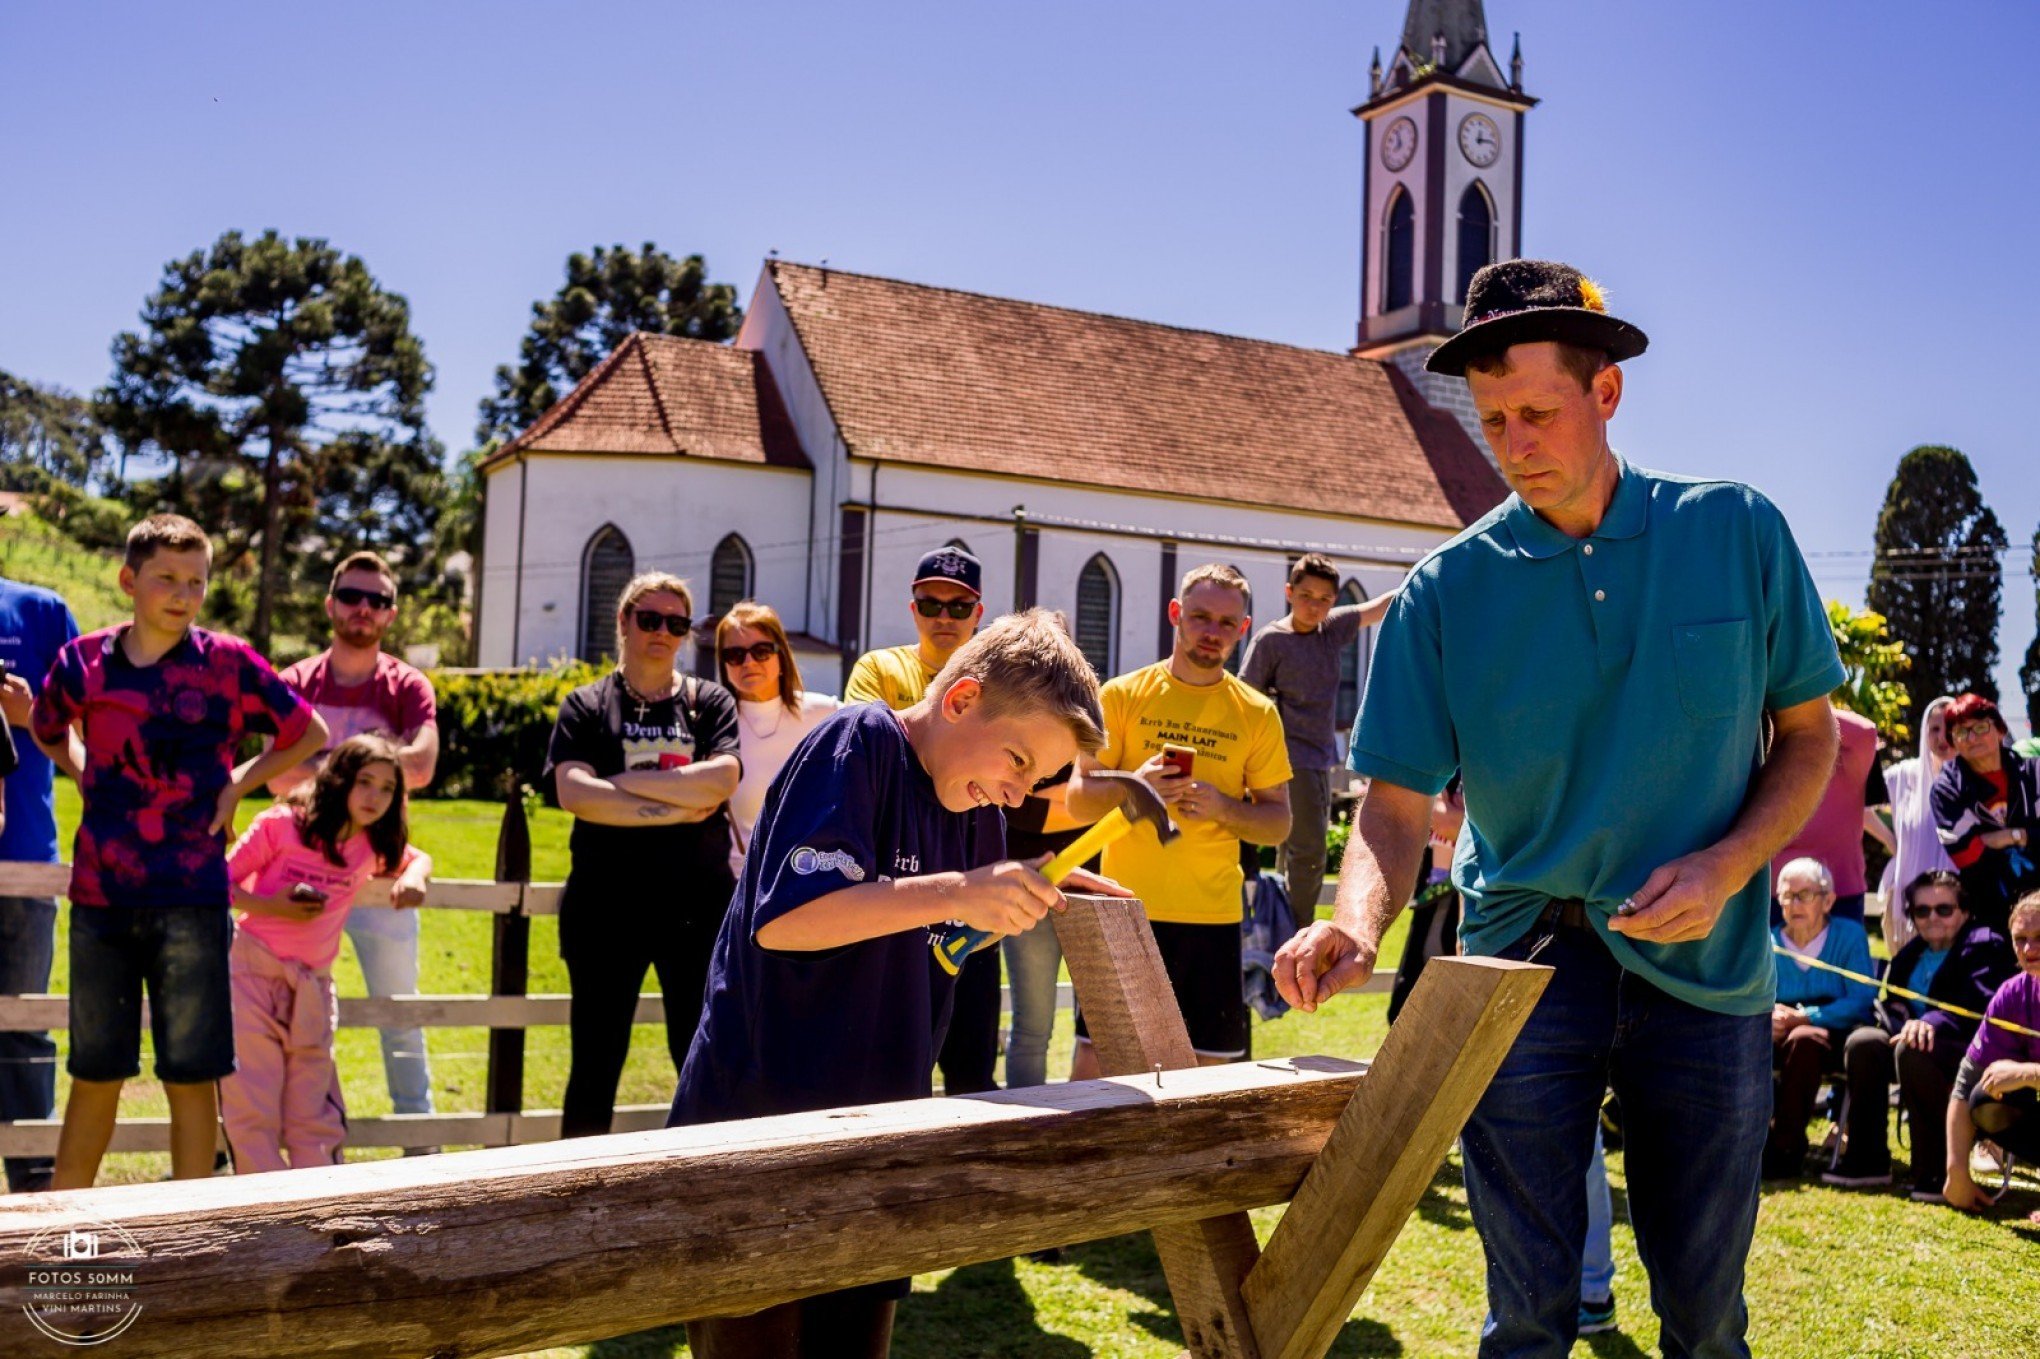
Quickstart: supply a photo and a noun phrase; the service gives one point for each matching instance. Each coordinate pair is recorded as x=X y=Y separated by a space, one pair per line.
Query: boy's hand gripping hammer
x=1137 y=803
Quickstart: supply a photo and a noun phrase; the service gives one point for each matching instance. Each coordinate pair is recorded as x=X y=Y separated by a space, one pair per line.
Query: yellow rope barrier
x=1889 y=989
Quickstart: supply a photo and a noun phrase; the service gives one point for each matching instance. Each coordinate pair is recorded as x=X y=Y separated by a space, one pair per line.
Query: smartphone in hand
x=1181 y=760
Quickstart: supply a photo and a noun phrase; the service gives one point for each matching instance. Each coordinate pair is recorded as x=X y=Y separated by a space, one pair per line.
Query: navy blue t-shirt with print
x=784 y=1032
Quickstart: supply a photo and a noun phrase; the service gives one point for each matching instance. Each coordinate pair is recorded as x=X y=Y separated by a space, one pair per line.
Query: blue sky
x=1822 y=214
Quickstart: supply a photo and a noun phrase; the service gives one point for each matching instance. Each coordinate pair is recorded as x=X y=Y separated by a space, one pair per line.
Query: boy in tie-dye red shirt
x=147 y=716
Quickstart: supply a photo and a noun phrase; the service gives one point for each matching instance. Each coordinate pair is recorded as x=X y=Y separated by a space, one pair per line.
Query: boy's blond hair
x=164 y=533
x=2028 y=904
x=1025 y=663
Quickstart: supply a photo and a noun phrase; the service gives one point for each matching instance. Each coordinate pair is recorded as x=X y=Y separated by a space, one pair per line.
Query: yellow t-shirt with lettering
x=895 y=676
x=1237 y=734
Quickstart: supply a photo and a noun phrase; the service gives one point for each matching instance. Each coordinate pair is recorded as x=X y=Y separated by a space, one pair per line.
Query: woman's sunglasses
x=930 y=607
x=375 y=599
x=1942 y=909
x=760 y=652
x=651 y=620
x=1972 y=729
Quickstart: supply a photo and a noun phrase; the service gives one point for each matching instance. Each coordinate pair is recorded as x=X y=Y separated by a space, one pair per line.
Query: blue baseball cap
x=954 y=565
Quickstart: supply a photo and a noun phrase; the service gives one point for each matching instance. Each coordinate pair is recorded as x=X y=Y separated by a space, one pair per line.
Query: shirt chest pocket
x=1712 y=662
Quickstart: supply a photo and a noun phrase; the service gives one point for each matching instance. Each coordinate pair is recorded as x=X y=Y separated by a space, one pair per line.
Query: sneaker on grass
x=1597 y=1318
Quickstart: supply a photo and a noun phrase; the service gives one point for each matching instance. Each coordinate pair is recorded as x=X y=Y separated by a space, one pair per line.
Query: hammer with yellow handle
x=1137 y=803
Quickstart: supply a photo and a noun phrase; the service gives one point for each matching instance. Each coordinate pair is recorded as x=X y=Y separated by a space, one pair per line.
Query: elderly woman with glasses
x=1987 y=810
x=644 y=759
x=1817 y=1008
x=773 y=711
x=1954 y=962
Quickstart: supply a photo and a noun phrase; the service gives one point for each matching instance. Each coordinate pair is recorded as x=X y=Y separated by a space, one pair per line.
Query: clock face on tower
x=1400 y=145
x=1480 y=141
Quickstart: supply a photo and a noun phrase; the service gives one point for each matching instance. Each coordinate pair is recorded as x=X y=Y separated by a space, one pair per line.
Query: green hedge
x=495 y=723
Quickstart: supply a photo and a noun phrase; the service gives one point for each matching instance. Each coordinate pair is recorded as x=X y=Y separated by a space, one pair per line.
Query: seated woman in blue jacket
x=1952 y=959
x=1816 y=1009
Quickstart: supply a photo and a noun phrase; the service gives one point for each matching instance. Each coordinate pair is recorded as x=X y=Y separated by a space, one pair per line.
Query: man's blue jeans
x=386 y=942
x=1695 y=1088
x=28 y=1059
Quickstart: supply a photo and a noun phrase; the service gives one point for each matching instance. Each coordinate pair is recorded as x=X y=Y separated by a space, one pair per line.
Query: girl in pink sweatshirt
x=295 y=874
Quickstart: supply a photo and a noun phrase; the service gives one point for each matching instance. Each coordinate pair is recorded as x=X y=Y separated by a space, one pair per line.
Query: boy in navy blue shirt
x=882 y=829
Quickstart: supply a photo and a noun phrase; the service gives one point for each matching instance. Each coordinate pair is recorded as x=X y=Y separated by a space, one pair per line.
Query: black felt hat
x=1523 y=301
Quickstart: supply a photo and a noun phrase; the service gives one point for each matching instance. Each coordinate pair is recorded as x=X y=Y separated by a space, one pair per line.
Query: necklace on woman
x=645 y=701
x=752 y=727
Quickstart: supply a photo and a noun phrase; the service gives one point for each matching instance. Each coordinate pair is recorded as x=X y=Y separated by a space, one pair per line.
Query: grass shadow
x=1614 y=1345
x=1441 y=1206
x=1129 y=1264
x=978 y=1312
x=1364 y=1338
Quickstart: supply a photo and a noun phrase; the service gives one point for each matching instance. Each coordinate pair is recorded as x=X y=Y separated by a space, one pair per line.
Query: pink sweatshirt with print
x=272 y=856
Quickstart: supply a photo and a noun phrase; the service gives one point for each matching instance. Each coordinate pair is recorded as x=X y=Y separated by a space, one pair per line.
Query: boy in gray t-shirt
x=1295 y=661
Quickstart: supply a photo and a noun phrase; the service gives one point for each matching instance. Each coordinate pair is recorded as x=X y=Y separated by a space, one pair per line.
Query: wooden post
x=522 y=1248
x=1438 y=1059
x=1130 y=1009
x=510 y=957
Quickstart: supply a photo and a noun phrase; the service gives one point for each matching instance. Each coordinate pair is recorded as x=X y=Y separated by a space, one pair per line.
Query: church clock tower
x=1442 y=187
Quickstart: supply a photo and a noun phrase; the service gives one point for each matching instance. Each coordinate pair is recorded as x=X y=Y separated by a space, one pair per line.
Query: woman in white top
x=1913 y=840
x=773 y=711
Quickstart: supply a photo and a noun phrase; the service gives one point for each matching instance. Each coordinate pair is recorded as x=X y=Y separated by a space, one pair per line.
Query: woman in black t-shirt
x=645 y=759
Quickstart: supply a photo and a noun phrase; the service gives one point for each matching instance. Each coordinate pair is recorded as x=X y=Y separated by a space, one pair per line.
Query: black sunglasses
x=375 y=599
x=1943 y=909
x=651 y=620
x=930 y=607
x=760 y=652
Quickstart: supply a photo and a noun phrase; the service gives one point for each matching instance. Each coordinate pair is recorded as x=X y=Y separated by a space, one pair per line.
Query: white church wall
x=768 y=329
x=498 y=611
x=673 y=511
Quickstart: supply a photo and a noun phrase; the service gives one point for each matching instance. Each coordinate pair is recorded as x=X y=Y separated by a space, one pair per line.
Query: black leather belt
x=1569 y=912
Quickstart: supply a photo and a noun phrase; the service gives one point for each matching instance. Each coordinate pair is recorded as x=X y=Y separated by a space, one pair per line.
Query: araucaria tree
x=272 y=375
x=48 y=437
x=1938 y=576
x=606 y=297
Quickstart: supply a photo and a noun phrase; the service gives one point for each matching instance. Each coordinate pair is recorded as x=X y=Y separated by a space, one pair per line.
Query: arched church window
x=1399 y=251
x=1097 y=620
x=1476 y=234
x=607 y=564
x=729 y=574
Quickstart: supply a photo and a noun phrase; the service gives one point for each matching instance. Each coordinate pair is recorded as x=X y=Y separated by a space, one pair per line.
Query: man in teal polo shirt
x=1597 y=657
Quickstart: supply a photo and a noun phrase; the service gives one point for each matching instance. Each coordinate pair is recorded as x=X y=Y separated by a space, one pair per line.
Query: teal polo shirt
x=1603 y=698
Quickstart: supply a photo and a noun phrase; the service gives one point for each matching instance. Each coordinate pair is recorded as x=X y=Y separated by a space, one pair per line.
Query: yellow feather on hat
x=1591 y=296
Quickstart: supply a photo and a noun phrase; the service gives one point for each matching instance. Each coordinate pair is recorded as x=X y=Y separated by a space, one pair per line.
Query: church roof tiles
x=941 y=378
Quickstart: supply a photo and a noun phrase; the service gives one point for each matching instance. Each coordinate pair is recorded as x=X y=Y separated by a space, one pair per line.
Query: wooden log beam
x=1130 y=1011
x=522 y=1248
x=1430 y=1072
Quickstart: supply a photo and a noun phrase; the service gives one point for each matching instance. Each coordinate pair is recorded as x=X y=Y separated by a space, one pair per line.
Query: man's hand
x=1916 y=1034
x=1006 y=898
x=17 y=701
x=1318 y=962
x=2003 y=1077
x=1161 y=776
x=1677 y=903
x=1198 y=802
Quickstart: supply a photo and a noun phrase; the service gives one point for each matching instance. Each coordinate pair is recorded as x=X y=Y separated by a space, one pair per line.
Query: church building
x=1087 y=460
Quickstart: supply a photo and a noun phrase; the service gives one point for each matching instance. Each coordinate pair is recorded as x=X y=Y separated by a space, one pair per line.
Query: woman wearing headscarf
x=1914 y=844
x=1987 y=811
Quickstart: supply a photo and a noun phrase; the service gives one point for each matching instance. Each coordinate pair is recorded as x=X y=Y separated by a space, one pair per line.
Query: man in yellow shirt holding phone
x=1236 y=789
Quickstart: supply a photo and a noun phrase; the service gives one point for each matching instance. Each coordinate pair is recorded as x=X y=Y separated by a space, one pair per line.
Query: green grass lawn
x=1832 y=1274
